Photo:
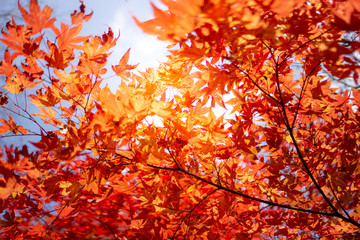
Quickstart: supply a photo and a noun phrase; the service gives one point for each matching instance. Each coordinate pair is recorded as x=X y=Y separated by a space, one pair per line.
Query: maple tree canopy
x=241 y=134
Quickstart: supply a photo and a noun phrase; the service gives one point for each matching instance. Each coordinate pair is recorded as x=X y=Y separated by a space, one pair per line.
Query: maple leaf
x=79 y=17
x=6 y=67
x=122 y=67
x=19 y=81
x=7 y=188
x=64 y=212
x=58 y=59
x=38 y=230
x=67 y=37
x=96 y=48
x=11 y=126
x=36 y=18
x=137 y=224
x=347 y=15
x=47 y=99
x=16 y=37
x=238 y=135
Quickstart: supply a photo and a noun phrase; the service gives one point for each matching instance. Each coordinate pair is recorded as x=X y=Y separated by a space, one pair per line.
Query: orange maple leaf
x=36 y=19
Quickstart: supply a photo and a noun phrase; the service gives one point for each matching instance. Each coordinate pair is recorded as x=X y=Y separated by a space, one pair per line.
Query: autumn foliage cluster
x=250 y=130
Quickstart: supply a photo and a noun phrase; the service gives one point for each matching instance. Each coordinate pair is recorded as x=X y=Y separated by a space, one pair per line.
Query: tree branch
x=244 y=195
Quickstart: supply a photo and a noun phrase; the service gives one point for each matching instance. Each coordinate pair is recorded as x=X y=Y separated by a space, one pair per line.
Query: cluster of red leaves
x=154 y=159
